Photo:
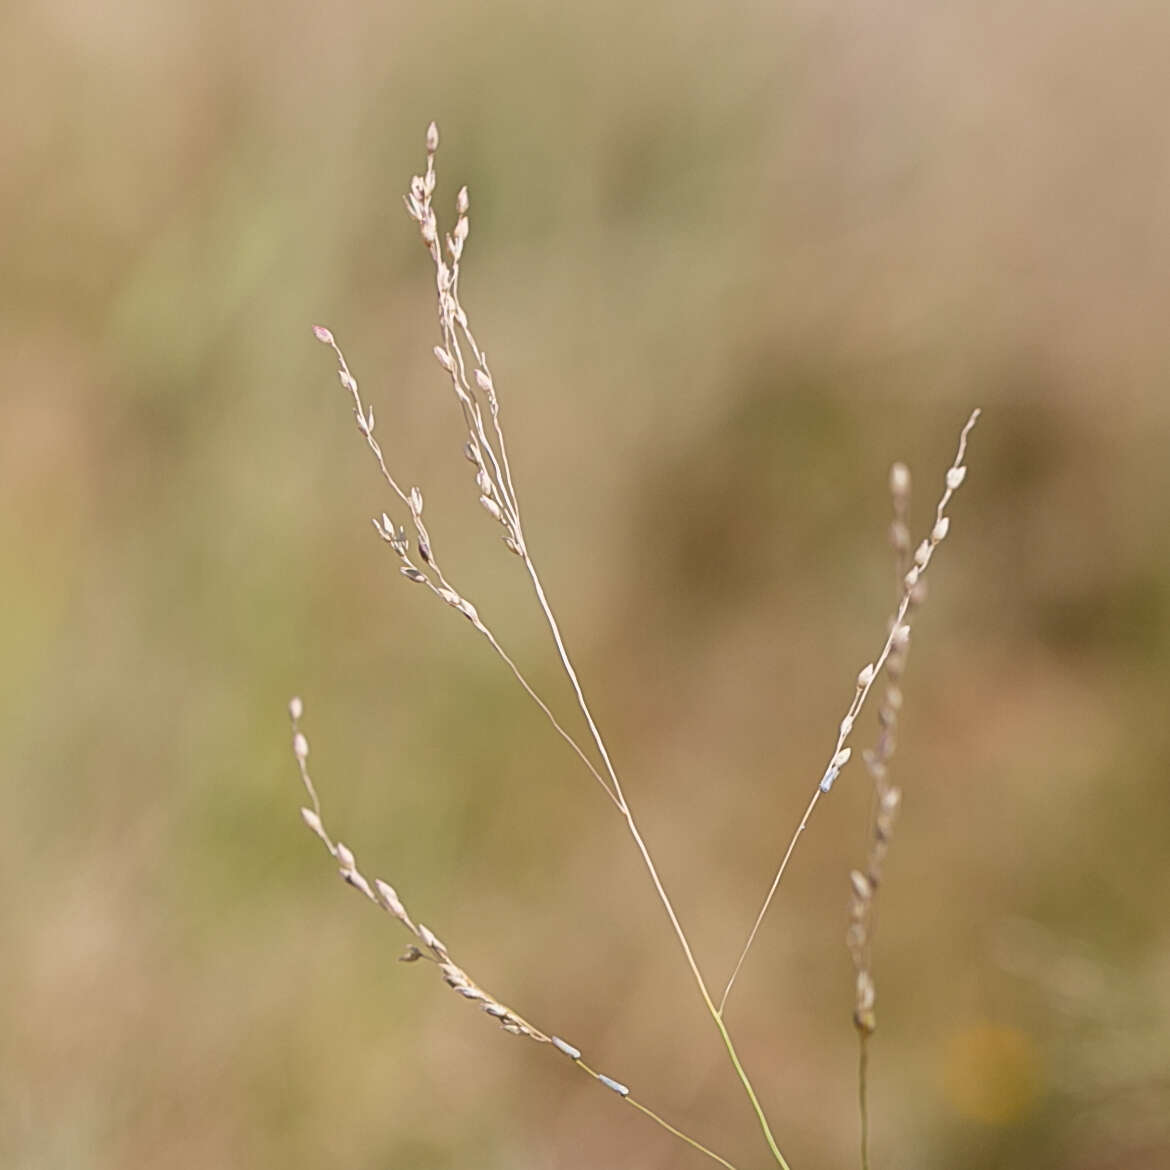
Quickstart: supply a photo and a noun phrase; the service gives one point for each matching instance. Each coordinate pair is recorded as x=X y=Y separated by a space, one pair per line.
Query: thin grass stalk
x=884 y=807
x=863 y=1095
x=500 y=498
x=899 y=633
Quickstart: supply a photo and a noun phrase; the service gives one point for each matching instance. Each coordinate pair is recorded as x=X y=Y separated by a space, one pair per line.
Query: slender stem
x=679 y=1133
x=629 y=1100
x=507 y=659
x=452 y=320
x=747 y=946
x=648 y=861
x=862 y=1097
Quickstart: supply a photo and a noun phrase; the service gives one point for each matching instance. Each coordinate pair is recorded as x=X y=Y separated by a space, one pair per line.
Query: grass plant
x=465 y=366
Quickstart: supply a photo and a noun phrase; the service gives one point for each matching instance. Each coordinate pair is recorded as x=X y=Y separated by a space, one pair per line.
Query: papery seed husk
x=390 y=899
x=866 y=993
x=899 y=480
x=563 y=1046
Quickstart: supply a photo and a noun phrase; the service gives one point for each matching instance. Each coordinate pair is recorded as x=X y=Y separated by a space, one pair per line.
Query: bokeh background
x=730 y=261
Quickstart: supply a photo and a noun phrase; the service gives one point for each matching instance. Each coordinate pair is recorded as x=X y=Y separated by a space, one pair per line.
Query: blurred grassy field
x=729 y=263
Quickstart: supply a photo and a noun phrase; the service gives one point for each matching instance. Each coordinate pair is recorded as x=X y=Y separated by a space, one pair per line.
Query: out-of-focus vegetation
x=729 y=263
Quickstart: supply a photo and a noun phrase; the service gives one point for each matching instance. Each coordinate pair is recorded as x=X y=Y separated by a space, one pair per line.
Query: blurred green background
x=729 y=262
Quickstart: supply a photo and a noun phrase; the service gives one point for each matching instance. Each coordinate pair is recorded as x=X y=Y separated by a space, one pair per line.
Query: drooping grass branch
x=434 y=951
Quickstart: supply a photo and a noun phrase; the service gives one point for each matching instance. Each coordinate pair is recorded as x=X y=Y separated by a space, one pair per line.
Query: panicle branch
x=897 y=641
x=430 y=948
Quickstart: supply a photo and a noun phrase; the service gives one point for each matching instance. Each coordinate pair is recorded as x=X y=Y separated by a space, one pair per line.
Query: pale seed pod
x=900 y=480
x=866 y=993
